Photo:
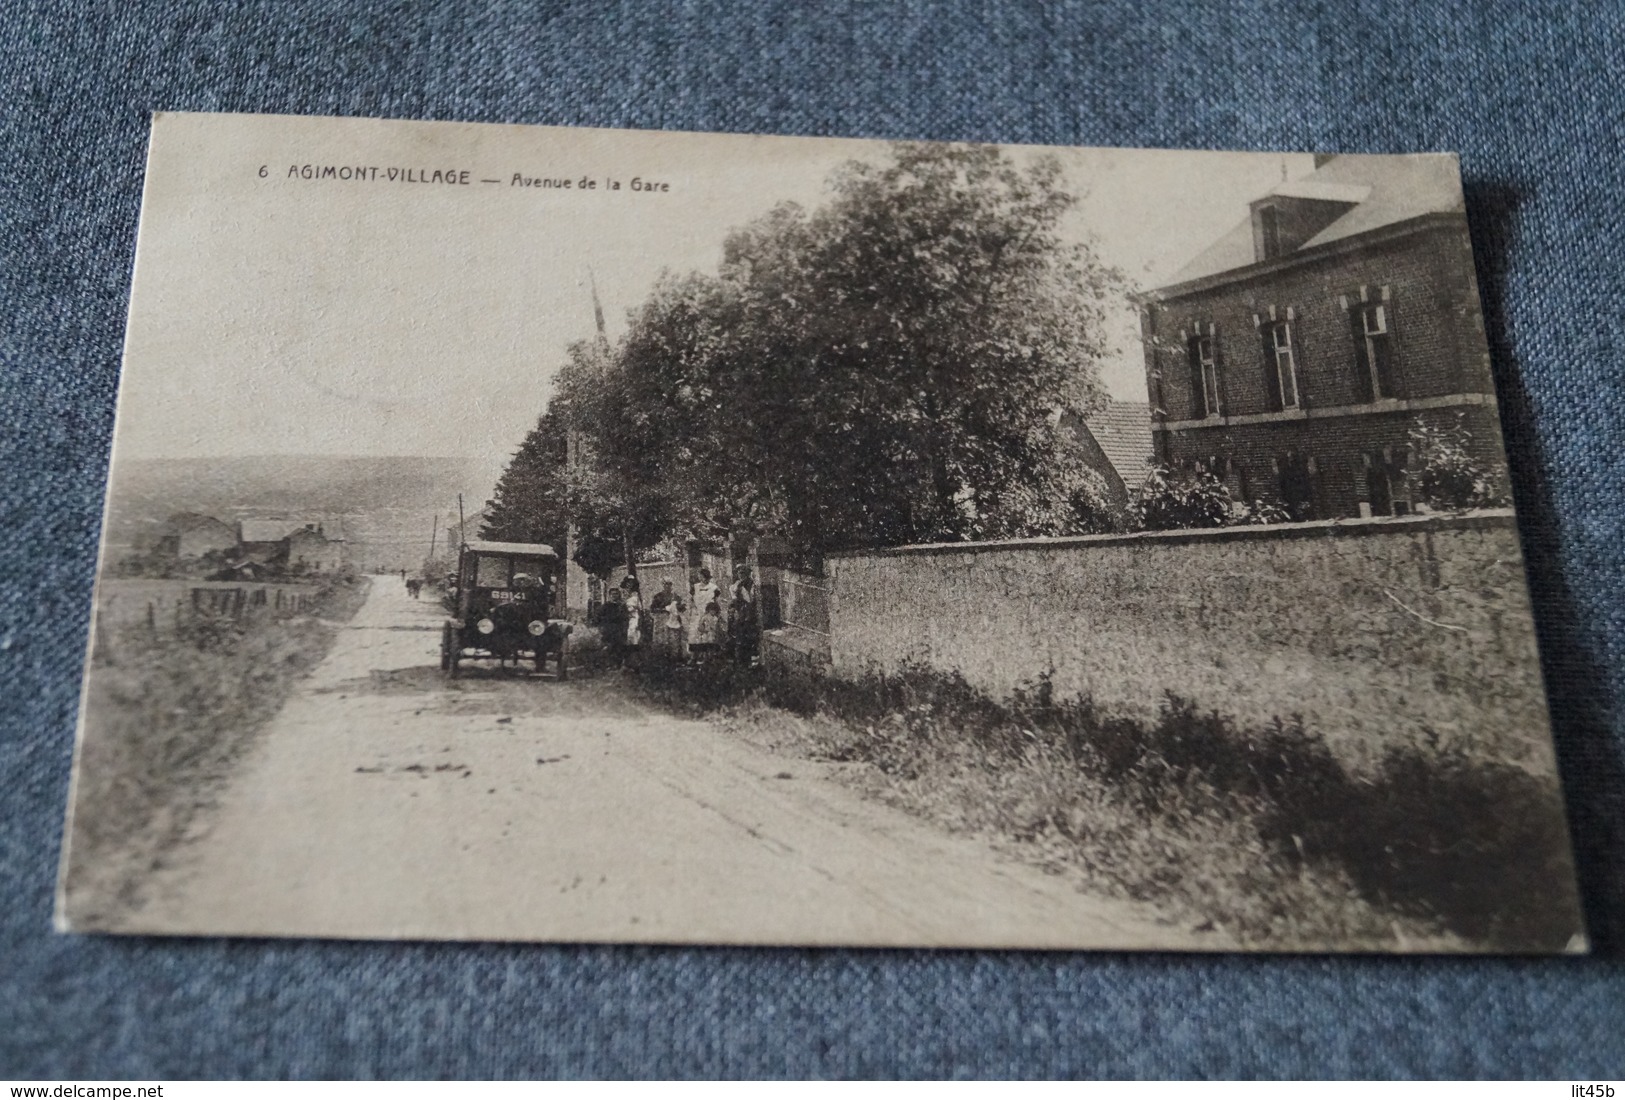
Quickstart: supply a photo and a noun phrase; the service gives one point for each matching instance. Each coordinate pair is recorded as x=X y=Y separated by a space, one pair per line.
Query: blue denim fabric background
x=1529 y=93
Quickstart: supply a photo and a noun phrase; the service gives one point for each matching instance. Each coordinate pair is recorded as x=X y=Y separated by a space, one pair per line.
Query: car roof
x=529 y=549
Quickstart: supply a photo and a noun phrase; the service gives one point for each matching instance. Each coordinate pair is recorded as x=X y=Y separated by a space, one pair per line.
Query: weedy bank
x=1262 y=833
x=170 y=709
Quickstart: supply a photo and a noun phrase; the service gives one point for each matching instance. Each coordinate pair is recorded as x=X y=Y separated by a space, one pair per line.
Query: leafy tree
x=612 y=489
x=530 y=502
x=887 y=369
x=542 y=491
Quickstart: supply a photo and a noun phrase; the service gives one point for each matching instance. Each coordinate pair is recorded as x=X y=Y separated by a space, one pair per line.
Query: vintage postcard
x=582 y=535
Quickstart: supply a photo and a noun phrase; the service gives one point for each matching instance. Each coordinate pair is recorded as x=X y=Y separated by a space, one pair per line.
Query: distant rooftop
x=487 y=546
x=275 y=530
x=1373 y=191
x=266 y=530
x=1123 y=430
x=183 y=522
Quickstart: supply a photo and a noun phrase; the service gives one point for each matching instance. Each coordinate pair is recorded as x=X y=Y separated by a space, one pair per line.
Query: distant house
x=264 y=541
x=290 y=545
x=1117 y=441
x=311 y=551
x=189 y=535
x=1293 y=358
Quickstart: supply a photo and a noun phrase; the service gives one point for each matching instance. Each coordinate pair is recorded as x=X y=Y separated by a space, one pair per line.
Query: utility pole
x=434 y=535
x=574 y=591
x=577 y=593
x=598 y=313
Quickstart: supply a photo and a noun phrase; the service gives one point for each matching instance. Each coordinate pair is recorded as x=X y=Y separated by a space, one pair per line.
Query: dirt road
x=385 y=801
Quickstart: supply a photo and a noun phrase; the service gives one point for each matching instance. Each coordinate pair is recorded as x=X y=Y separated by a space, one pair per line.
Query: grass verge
x=1261 y=833
x=169 y=713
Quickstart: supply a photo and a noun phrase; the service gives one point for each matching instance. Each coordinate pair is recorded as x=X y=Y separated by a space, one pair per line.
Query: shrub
x=1263 y=827
x=1172 y=499
x=1469 y=843
x=1255 y=512
x=168 y=715
x=1476 y=844
x=1447 y=476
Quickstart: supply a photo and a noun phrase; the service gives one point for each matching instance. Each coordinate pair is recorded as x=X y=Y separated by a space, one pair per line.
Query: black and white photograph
x=544 y=534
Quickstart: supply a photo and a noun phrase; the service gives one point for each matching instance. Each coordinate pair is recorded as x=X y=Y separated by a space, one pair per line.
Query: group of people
x=706 y=626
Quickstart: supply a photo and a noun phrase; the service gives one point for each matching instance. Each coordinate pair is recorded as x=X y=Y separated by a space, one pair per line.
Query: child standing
x=709 y=633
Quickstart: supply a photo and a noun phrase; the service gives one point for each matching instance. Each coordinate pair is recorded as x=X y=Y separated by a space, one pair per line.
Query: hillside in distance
x=385 y=508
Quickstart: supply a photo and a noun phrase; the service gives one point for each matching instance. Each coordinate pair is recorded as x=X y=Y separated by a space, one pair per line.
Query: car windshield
x=500 y=571
x=492 y=571
x=530 y=574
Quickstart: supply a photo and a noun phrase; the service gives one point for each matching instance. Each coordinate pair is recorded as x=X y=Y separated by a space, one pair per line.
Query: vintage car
x=501 y=602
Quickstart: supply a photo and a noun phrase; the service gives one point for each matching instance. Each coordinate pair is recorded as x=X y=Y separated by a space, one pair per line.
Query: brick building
x=1294 y=356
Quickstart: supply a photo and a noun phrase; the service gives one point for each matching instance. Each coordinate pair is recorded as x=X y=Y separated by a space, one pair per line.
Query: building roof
x=1378 y=190
x=537 y=549
x=267 y=530
x=182 y=523
x=275 y=530
x=303 y=534
x=1123 y=430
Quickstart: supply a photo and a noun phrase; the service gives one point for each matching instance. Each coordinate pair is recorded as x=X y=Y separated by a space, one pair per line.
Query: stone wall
x=653 y=575
x=1376 y=631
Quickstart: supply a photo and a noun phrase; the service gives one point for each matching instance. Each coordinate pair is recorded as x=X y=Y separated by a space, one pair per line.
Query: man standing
x=744 y=628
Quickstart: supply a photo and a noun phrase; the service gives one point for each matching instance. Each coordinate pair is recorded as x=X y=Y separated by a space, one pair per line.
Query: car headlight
x=485 y=626
x=537 y=627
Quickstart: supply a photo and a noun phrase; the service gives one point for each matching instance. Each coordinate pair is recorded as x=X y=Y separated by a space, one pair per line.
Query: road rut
x=385 y=801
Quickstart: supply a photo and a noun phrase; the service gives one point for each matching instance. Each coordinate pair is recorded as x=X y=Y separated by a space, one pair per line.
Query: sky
x=395 y=313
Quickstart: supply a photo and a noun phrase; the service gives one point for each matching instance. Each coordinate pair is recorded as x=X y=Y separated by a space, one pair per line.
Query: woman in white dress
x=704 y=593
